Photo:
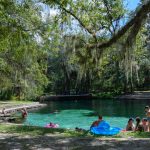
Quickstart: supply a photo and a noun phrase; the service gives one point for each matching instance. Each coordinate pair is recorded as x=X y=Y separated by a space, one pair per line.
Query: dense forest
x=73 y=47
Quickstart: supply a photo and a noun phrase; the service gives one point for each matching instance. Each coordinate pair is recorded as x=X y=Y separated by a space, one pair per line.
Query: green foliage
x=106 y=95
x=22 y=58
x=79 y=69
x=41 y=52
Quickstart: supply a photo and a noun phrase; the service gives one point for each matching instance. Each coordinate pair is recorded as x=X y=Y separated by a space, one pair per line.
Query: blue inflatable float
x=104 y=129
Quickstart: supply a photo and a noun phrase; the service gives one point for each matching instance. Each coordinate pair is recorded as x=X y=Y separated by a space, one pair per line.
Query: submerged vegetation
x=73 y=47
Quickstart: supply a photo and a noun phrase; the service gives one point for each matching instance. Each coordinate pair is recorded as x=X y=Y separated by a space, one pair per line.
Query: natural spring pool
x=81 y=113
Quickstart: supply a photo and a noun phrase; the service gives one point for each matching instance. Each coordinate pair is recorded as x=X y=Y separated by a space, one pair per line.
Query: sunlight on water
x=71 y=114
x=71 y=119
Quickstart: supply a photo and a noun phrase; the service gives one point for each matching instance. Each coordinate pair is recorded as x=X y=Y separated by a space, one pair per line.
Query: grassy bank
x=16 y=102
x=13 y=103
x=36 y=131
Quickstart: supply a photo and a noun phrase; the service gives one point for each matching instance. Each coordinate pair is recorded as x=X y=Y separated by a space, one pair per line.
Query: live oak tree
x=85 y=45
x=100 y=25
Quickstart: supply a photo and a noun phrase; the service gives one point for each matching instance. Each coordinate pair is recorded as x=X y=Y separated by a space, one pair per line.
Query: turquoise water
x=81 y=113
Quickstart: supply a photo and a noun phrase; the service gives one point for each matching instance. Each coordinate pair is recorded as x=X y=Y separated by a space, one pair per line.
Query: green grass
x=133 y=135
x=36 y=131
x=17 y=101
x=13 y=103
x=28 y=130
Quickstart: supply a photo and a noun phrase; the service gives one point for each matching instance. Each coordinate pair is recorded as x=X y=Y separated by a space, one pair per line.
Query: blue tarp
x=104 y=129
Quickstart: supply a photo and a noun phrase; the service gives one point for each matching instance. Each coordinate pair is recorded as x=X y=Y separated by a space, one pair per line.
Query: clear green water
x=81 y=113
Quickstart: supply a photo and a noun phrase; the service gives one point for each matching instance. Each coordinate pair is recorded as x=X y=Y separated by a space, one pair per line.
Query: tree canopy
x=85 y=46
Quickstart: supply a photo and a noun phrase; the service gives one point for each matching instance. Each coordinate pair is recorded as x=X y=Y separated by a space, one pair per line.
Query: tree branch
x=139 y=17
x=109 y=15
x=79 y=20
x=81 y=23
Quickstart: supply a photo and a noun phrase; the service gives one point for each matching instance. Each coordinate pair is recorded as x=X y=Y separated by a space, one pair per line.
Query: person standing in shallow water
x=24 y=113
x=96 y=123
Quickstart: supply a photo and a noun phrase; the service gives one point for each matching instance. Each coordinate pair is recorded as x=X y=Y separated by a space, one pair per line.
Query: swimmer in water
x=24 y=113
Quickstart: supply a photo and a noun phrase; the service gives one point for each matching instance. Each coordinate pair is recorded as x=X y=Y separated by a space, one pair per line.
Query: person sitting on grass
x=130 y=126
x=145 y=124
x=138 y=126
x=96 y=123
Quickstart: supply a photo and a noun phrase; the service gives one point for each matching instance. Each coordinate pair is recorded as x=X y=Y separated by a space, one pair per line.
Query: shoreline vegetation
x=136 y=95
x=37 y=131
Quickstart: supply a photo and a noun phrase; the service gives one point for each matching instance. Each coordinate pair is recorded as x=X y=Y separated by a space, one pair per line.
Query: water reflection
x=114 y=108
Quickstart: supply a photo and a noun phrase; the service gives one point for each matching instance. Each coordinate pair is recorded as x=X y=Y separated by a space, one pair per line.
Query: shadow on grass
x=31 y=130
x=133 y=135
x=36 y=131
x=64 y=143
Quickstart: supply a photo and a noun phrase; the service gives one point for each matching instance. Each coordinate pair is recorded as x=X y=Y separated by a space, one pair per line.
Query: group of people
x=141 y=124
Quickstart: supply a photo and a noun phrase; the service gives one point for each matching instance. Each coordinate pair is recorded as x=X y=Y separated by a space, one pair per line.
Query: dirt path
x=57 y=142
